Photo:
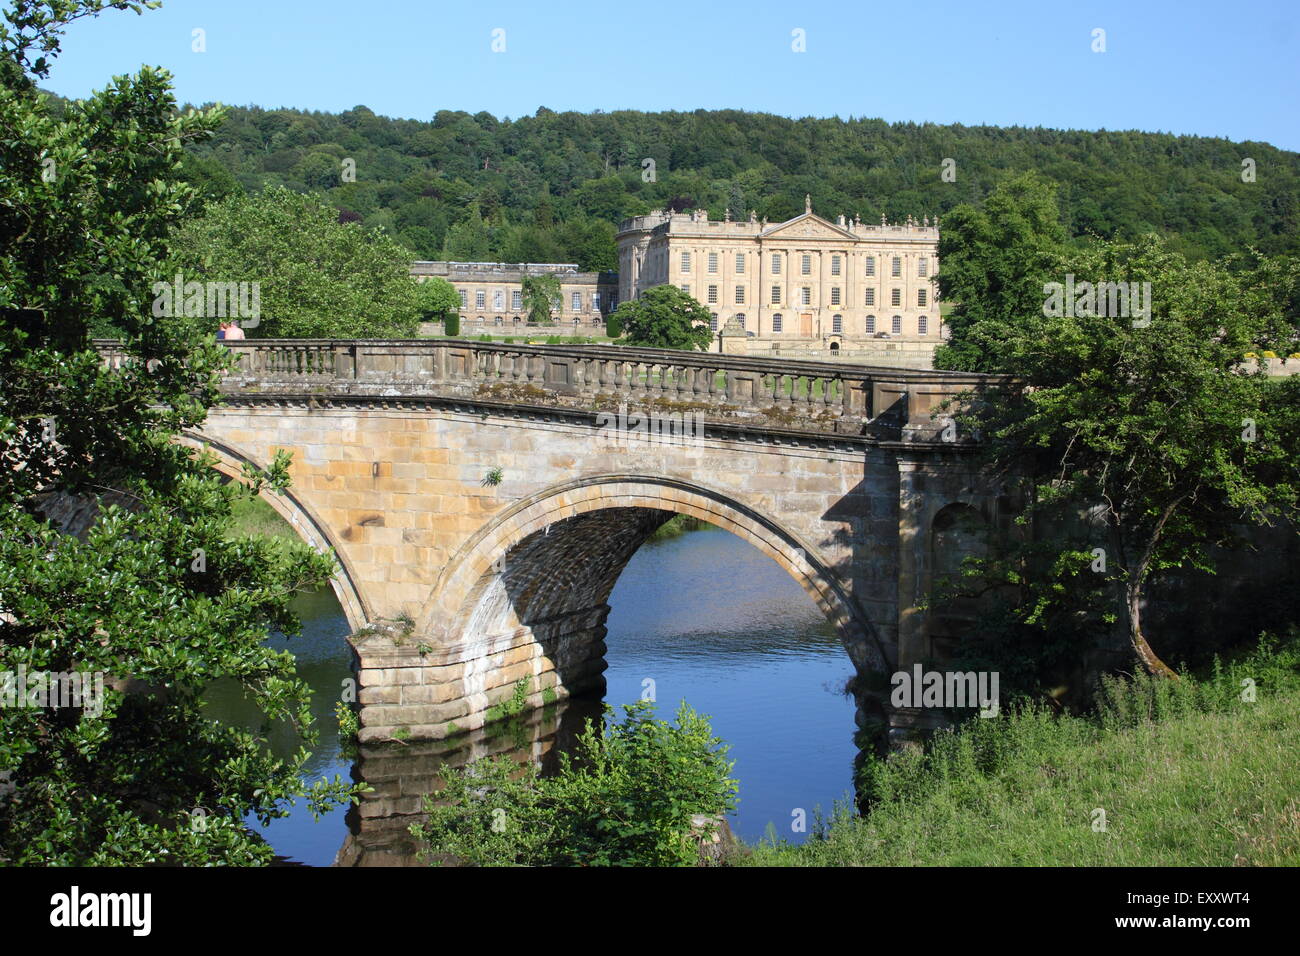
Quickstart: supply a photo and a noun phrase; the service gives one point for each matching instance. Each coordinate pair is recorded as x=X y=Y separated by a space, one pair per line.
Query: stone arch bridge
x=483 y=498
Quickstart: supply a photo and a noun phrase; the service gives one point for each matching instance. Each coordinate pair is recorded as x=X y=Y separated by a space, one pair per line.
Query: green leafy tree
x=995 y=262
x=1148 y=424
x=318 y=277
x=665 y=317
x=437 y=299
x=541 y=297
x=117 y=560
x=627 y=797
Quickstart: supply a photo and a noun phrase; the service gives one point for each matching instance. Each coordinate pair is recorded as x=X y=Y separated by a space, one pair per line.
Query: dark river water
x=704 y=616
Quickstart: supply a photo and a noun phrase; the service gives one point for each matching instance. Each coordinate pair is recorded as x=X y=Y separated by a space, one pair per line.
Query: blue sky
x=1188 y=66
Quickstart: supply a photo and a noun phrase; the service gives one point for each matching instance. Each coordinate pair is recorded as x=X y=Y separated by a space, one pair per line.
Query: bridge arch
x=230 y=460
x=560 y=551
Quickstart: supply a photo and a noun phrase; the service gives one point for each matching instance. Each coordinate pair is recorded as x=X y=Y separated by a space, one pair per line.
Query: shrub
x=626 y=798
x=613 y=326
x=452 y=325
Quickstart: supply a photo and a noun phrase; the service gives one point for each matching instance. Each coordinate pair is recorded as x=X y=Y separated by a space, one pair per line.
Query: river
x=706 y=618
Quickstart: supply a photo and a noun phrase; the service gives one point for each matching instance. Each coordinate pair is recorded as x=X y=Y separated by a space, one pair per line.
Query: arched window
x=498 y=320
x=896 y=326
x=871 y=325
x=516 y=320
x=922 y=326
x=835 y=347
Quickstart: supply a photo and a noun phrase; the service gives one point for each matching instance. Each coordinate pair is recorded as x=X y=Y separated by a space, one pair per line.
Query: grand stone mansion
x=806 y=287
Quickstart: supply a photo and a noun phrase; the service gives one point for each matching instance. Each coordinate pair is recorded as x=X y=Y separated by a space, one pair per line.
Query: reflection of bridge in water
x=481 y=517
x=401 y=775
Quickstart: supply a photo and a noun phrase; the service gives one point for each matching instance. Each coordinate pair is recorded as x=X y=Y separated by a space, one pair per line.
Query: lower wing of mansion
x=806 y=287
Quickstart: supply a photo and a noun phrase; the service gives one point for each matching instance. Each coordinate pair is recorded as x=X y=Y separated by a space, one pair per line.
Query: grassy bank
x=1187 y=775
x=678 y=525
x=255 y=516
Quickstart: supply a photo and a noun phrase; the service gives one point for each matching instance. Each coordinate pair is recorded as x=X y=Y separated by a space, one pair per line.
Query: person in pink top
x=230 y=330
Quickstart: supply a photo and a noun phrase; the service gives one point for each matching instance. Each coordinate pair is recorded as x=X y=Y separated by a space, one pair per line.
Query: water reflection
x=703 y=617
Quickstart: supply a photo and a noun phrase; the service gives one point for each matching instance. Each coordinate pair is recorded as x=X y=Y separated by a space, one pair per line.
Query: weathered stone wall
x=507 y=582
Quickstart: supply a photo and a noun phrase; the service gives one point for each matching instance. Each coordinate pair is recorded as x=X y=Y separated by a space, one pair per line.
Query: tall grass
x=1187 y=773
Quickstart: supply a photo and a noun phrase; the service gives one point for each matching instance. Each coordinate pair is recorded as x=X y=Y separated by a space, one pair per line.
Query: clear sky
x=1181 y=66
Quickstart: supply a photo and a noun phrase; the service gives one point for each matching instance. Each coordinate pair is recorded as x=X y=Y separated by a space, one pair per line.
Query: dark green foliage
x=626 y=798
x=157 y=590
x=452 y=326
x=665 y=317
x=551 y=187
x=613 y=326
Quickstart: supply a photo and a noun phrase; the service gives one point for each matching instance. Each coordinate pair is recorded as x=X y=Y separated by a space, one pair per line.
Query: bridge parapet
x=821 y=396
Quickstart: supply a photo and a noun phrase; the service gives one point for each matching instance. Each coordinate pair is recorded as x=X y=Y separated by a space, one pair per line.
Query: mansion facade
x=491 y=295
x=806 y=285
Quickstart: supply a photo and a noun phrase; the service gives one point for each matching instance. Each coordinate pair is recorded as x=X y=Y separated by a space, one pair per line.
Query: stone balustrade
x=823 y=396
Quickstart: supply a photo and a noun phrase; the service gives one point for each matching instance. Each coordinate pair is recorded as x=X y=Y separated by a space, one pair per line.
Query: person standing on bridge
x=230 y=330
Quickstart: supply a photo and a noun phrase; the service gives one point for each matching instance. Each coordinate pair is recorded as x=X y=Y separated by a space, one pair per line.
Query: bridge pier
x=411 y=690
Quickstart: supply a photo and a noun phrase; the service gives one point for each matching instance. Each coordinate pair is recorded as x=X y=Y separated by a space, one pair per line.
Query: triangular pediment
x=807 y=225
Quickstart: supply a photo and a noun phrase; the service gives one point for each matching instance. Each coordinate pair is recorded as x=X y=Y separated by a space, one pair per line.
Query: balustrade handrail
x=784 y=366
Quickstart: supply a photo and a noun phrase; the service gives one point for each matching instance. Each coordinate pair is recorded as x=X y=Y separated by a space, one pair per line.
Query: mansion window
x=776 y=295
x=498 y=299
x=895 y=296
x=835 y=295
x=920 y=297
x=897 y=325
x=713 y=321
x=687 y=288
x=922 y=325
x=713 y=262
x=837 y=324
x=740 y=319
x=516 y=319
x=595 y=302
x=497 y=320
x=776 y=263
x=807 y=265
x=805 y=295
x=464 y=299
x=686 y=262
x=740 y=295
x=576 y=320
x=776 y=322
x=480 y=299
x=835 y=265
x=871 y=325
x=871 y=265
x=740 y=263
x=713 y=295
x=517 y=299
x=896 y=267
x=923 y=266
x=871 y=297
x=575 y=302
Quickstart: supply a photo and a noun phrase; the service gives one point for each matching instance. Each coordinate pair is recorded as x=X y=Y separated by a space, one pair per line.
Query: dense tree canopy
x=551 y=187
x=149 y=585
x=317 y=276
x=1133 y=406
